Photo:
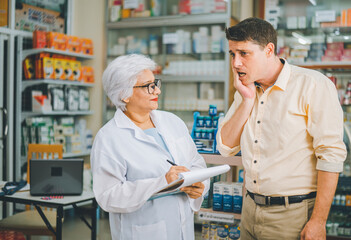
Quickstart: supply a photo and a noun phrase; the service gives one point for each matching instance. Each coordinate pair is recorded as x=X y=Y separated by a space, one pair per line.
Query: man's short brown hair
x=257 y=30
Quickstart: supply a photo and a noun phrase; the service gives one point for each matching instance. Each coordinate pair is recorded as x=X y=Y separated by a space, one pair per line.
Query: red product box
x=345 y=58
x=333 y=53
x=347 y=52
x=39 y=39
x=184 y=7
x=335 y=45
x=330 y=59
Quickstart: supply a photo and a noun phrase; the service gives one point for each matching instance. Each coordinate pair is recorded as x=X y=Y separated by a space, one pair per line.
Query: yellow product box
x=76 y=71
x=48 y=68
x=28 y=68
x=58 y=66
x=68 y=69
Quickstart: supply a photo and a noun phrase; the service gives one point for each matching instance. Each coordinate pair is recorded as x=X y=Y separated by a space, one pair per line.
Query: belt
x=266 y=200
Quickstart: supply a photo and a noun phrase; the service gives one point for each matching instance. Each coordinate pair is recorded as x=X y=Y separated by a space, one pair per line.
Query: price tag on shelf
x=170 y=38
x=217 y=217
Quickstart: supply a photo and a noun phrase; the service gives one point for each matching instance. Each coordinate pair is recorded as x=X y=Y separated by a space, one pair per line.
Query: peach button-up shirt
x=295 y=128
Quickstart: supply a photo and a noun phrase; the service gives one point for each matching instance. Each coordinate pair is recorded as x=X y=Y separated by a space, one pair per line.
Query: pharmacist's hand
x=313 y=230
x=172 y=174
x=246 y=91
x=194 y=191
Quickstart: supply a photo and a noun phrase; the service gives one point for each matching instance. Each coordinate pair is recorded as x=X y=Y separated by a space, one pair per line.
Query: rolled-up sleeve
x=223 y=149
x=325 y=125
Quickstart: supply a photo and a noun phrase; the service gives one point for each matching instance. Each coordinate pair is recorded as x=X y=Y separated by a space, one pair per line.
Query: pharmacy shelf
x=192 y=78
x=219 y=159
x=177 y=20
x=326 y=65
x=29 y=83
x=74 y=155
x=64 y=155
x=56 y=113
x=207 y=214
x=34 y=51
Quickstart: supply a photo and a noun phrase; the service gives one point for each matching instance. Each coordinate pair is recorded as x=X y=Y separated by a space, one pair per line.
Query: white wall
x=88 y=21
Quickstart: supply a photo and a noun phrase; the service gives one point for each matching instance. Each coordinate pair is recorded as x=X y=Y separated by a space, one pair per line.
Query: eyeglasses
x=151 y=86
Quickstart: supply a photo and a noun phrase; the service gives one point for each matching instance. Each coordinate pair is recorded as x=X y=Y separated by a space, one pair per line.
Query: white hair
x=121 y=75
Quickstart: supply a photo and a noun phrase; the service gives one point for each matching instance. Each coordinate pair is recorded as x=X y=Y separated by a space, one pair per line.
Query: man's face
x=248 y=61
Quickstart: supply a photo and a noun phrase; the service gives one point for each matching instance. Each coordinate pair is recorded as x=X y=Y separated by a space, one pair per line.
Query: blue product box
x=217 y=196
x=237 y=197
x=228 y=197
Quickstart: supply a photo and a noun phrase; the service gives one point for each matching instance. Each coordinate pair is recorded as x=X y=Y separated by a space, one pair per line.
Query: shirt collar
x=284 y=75
x=123 y=121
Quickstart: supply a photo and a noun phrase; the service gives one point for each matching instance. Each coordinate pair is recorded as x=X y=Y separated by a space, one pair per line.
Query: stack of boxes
x=227 y=196
x=71 y=133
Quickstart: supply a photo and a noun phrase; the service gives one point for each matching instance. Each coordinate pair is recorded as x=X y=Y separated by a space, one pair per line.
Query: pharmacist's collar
x=122 y=121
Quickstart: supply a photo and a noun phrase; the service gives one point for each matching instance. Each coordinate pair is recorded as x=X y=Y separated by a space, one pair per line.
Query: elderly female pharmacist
x=130 y=153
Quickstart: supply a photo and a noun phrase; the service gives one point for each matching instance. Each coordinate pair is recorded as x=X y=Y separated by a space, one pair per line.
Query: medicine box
x=237 y=197
x=218 y=196
x=228 y=193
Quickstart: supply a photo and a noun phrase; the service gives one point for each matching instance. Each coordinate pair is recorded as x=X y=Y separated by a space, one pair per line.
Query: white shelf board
x=219 y=159
x=56 y=113
x=333 y=64
x=207 y=214
x=177 y=20
x=192 y=78
x=33 y=51
x=28 y=83
x=73 y=155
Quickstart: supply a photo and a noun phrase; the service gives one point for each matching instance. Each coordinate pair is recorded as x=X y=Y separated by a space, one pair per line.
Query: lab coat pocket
x=156 y=231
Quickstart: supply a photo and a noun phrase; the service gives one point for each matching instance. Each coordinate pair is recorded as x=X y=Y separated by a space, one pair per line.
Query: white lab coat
x=129 y=166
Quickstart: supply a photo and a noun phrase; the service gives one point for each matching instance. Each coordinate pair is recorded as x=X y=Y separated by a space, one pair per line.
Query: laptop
x=56 y=177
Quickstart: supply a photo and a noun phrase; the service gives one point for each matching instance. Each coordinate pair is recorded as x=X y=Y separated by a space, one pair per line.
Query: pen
x=172 y=163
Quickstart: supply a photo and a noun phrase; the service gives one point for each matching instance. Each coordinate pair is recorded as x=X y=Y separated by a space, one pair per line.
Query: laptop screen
x=56 y=177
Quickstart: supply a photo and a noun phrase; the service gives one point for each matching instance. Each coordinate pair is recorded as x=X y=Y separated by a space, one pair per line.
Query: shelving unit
x=140 y=28
x=23 y=84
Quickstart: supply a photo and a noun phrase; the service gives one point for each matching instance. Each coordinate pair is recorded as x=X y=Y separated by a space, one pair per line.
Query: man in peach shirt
x=288 y=124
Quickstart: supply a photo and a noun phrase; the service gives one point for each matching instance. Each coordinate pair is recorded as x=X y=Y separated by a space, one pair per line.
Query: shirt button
x=256 y=141
x=255 y=161
x=258 y=121
x=262 y=102
x=254 y=181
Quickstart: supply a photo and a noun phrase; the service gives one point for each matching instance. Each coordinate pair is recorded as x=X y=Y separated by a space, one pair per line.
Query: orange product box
x=76 y=71
x=4 y=13
x=28 y=68
x=348 y=200
x=39 y=39
x=48 y=68
x=39 y=65
x=74 y=44
x=87 y=74
x=67 y=68
x=87 y=46
x=58 y=68
x=344 y=17
x=348 y=17
x=56 y=40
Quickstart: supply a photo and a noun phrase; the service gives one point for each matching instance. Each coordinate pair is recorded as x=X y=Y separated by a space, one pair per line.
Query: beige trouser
x=274 y=222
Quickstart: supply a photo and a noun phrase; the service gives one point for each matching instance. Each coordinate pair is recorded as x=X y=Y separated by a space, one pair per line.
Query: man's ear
x=269 y=49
